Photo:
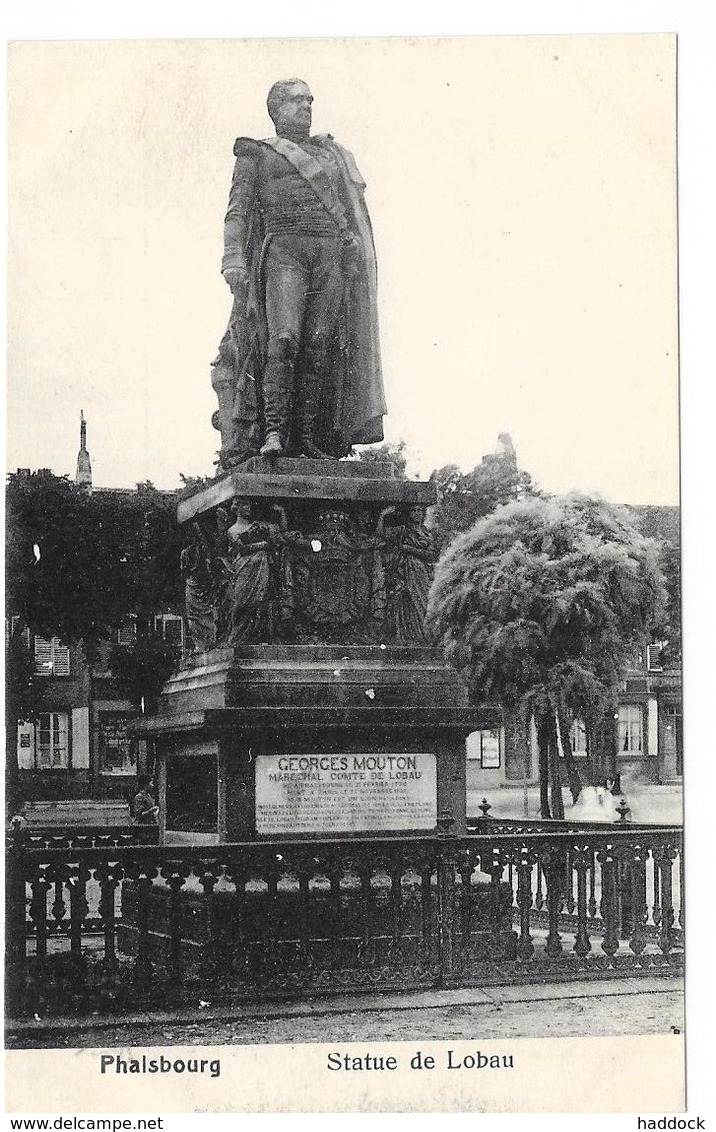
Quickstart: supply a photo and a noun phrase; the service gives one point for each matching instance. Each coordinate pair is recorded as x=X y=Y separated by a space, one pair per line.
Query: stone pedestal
x=333 y=716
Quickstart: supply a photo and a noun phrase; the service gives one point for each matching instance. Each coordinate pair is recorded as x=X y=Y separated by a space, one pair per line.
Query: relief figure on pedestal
x=249 y=585
x=298 y=370
x=196 y=569
x=411 y=556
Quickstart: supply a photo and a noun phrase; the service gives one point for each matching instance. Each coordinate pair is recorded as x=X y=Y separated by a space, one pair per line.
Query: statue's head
x=241 y=508
x=289 y=106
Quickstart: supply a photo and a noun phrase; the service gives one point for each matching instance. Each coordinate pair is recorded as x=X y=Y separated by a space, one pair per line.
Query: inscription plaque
x=341 y=793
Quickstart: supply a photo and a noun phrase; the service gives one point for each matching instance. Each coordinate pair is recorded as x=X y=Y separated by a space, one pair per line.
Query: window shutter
x=80 y=738
x=60 y=659
x=51 y=657
x=43 y=657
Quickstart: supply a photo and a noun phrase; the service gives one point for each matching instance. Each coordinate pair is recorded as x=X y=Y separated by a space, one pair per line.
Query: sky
x=523 y=197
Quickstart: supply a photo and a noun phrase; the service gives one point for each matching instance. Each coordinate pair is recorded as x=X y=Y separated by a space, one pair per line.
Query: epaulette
x=245 y=147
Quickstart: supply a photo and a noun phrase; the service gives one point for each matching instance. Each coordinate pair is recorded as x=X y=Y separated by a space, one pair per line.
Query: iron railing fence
x=111 y=925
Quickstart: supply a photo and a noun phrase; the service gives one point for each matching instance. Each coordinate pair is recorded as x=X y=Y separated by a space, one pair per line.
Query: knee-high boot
x=277 y=396
x=311 y=393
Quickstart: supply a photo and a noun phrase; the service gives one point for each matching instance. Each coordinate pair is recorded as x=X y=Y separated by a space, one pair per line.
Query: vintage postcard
x=345 y=757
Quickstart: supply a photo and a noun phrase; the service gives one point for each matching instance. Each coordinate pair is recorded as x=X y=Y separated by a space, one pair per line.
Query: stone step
x=327 y=695
x=433 y=718
x=316 y=674
x=377 y=654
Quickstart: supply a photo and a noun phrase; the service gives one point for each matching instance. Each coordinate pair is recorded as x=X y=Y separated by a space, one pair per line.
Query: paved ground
x=625 y=1006
x=662 y=805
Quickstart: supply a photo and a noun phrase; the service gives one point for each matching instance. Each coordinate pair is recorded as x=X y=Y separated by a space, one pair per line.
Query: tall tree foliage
x=538 y=604
x=463 y=498
x=78 y=563
x=395 y=454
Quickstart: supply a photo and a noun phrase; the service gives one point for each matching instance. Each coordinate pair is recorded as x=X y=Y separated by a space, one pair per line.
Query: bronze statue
x=298 y=370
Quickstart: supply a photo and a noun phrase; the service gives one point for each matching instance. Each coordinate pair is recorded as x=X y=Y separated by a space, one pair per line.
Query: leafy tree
x=77 y=565
x=142 y=669
x=463 y=498
x=663 y=525
x=670 y=630
x=190 y=484
x=394 y=454
x=538 y=604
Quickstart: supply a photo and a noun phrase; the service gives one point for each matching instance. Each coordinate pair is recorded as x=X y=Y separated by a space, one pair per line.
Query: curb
x=419 y=1000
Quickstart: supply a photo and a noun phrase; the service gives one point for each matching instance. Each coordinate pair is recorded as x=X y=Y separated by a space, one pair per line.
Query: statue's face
x=294 y=112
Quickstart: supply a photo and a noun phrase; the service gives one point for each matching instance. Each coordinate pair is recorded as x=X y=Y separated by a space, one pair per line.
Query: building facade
x=644 y=746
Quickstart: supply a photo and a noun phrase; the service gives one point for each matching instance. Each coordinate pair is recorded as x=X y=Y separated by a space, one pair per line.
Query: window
x=578 y=739
x=51 y=657
x=673 y=736
x=630 y=729
x=485 y=746
x=171 y=627
x=127 y=632
x=52 y=750
x=653 y=657
x=117 y=751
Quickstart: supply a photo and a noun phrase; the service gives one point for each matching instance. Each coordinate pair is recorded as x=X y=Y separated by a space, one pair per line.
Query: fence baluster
x=78 y=909
x=539 y=896
x=396 y=901
x=554 y=865
x=334 y=875
x=582 y=942
x=466 y=869
x=58 y=908
x=610 y=902
x=143 y=960
x=666 y=858
x=637 y=943
x=446 y=912
x=365 y=874
x=239 y=924
x=105 y=874
x=682 y=891
x=304 y=926
x=525 y=946
x=175 y=875
x=569 y=884
x=592 y=866
x=656 y=889
x=426 y=910
x=208 y=879
x=496 y=869
x=38 y=914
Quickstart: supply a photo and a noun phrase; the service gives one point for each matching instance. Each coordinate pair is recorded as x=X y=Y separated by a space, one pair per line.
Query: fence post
x=15 y=870
x=446 y=901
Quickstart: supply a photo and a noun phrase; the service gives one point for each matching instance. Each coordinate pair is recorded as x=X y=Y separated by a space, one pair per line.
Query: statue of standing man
x=298 y=371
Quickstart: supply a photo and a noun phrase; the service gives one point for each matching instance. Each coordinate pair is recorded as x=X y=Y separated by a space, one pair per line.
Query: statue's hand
x=238 y=280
